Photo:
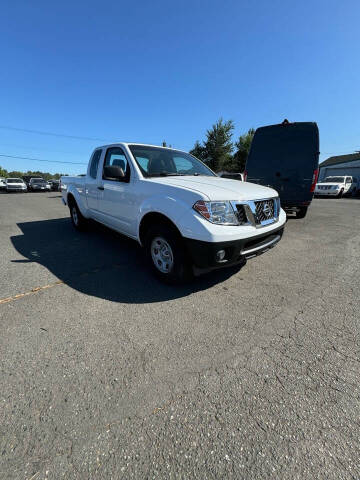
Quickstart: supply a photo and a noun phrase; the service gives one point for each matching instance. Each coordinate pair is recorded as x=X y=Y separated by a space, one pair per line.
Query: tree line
x=219 y=151
x=30 y=173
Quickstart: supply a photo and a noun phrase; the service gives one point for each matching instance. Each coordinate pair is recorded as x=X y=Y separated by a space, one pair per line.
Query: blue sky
x=147 y=71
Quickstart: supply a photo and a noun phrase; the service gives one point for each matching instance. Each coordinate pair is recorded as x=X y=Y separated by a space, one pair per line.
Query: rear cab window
x=95 y=163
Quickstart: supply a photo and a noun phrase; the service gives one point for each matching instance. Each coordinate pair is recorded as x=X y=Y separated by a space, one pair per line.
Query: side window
x=183 y=165
x=348 y=180
x=116 y=156
x=95 y=163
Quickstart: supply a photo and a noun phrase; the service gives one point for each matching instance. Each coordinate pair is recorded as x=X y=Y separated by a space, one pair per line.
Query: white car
x=186 y=217
x=2 y=184
x=337 y=186
x=15 y=185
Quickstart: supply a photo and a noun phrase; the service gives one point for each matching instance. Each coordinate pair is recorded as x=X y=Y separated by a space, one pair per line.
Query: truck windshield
x=159 y=161
x=335 y=179
x=14 y=180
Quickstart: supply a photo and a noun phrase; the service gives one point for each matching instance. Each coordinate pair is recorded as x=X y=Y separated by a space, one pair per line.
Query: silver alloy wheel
x=162 y=255
x=75 y=215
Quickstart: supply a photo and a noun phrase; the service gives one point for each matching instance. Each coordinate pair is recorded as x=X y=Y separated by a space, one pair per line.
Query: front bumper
x=203 y=254
x=327 y=193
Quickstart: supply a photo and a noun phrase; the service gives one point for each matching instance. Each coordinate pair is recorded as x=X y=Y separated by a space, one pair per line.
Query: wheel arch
x=154 y=218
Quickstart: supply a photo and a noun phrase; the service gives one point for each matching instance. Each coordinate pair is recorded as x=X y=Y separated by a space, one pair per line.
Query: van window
x=95 y=163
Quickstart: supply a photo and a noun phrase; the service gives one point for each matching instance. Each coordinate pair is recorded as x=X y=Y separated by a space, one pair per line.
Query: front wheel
x=166 y=254
x=341 y=193
x=301 y=212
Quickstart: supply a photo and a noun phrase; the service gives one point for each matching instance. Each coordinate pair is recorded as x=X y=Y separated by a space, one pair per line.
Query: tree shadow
x=101 y=262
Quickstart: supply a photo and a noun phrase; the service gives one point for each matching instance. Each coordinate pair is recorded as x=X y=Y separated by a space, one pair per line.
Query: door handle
x=100 y=188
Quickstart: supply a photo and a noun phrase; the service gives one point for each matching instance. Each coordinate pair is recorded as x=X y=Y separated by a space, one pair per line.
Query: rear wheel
x=301 y=212
x=166 y=254
x=77 y=219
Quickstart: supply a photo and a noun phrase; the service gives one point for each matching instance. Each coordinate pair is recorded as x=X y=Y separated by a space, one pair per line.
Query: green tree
x=218 y=144
x=243 y=148
x=15 y=174
x=199 y=151
x=3 y=172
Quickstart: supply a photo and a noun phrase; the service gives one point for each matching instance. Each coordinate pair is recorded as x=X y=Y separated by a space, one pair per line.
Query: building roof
x=340 y=159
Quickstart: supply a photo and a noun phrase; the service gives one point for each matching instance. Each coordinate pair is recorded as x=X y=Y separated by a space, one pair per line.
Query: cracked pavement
x=244 y=374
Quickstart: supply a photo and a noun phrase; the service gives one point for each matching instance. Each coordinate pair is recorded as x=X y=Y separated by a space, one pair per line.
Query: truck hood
x=216 y=188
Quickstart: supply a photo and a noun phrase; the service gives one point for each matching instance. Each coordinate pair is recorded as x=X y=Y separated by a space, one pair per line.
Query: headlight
x=220 y=213
x=335 y=187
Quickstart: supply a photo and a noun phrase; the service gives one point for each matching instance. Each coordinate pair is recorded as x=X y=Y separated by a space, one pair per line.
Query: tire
x=166 y=254
x=301 y=213
x=78 y=220
x=340 y=194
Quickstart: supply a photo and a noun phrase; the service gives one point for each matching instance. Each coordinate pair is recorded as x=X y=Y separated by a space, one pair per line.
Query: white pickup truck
x=337 y=186
x=187 y=218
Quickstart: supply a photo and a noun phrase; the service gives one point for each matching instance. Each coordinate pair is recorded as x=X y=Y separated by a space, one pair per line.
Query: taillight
x=245 y=176
x=314 y=180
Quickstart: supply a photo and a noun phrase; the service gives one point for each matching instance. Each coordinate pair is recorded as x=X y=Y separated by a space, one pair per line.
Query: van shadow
x=101 y=262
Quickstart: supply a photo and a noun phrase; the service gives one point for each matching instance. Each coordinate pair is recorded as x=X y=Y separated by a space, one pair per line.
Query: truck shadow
x=101 y=262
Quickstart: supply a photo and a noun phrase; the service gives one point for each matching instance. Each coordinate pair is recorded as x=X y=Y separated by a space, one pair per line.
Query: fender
x=78 y=192
x=170 y=207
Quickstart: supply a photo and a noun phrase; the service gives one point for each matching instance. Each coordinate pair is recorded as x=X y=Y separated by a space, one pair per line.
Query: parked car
x=54 y=185
x=15 y=185
x=38 y=184
x=337 y=186
x=286 y=158
x=187 y=218
x=2 y=184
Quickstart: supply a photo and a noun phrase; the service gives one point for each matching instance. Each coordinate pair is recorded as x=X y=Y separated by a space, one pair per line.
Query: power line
x=40 y=132
x=39 y=159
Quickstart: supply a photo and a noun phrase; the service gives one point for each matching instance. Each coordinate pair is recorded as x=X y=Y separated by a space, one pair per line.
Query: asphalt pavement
x=248 y=373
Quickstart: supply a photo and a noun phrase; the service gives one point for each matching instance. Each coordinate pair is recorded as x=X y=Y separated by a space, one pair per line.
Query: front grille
x=264 y=210
x=258 y=213
x=241 y=214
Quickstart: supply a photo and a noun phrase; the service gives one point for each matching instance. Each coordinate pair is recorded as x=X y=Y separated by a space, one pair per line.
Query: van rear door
x=285 y=157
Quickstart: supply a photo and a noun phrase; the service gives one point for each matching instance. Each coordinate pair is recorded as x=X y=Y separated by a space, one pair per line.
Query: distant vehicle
x=2 y=184
x=232 y=176
x=186 y=217
x=38 y=184
x=337 y=186
x=54 y=185
x=15 y=185
x=285 y=157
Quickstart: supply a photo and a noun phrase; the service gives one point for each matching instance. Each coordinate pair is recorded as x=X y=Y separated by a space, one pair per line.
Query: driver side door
x=117 y=197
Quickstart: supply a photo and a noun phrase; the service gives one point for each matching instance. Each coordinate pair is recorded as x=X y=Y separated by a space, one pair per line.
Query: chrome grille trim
x=255 y=214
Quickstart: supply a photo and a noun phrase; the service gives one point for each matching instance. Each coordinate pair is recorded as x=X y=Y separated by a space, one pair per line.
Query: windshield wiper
x=165 y=174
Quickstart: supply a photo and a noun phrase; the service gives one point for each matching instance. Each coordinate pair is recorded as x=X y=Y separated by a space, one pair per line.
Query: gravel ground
x=244 y=374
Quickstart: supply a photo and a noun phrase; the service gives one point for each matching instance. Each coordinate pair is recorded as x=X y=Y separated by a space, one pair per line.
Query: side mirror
x=113 y=172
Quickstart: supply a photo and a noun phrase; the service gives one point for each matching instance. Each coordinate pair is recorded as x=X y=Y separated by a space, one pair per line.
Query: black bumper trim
x=203 y=254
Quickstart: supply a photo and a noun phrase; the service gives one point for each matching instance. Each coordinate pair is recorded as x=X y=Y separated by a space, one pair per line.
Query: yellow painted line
x=59 y=282
x=30 y=292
